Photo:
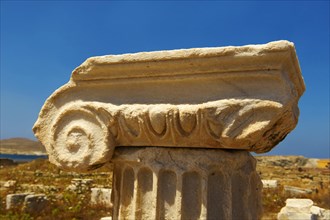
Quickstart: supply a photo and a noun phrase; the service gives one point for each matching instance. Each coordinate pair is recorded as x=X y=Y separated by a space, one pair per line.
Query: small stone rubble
x=27 y=202
x=15 y=200
x=106 y=218
x=302 y=209
x=293 y=173
x=101 y=196
x=35 y=203
x=80 y=185
x=296 y=176
x=269 y=183
x=9 y=183
x=297 y=190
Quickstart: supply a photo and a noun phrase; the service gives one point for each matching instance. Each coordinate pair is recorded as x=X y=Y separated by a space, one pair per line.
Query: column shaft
x=167 y=183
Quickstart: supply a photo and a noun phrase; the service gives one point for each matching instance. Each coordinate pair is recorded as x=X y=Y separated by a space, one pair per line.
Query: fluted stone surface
x=163 y=183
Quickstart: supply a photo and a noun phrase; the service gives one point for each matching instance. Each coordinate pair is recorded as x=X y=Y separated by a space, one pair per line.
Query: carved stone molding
x=230 y=98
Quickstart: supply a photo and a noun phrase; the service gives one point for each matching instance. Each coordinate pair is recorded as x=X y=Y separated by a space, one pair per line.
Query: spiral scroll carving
x=84 y=134
x=81 y=138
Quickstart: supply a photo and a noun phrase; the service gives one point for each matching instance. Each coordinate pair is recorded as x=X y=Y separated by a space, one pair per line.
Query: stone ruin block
x=302 y=209
x=269 y=183
x=106 y=218
x=31 y=203
x=15 y=200
x=101 y=196
x=297 y=190
x=36 y=203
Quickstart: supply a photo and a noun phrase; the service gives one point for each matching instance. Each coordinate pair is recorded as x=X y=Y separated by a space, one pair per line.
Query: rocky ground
x=297 y=177
x=69 y=194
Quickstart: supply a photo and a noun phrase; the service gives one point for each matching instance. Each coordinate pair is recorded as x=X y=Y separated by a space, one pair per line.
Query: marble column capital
x=243 y=98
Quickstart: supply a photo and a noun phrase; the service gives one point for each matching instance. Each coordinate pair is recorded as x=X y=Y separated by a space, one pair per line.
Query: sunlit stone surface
x=180 y=123
x=229 y=97
x=180 y=183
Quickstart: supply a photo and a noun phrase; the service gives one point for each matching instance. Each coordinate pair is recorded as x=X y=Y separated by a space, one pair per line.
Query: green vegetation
x=39 y=176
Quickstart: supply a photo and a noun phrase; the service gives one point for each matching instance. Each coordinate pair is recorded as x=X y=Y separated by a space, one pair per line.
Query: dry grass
x=314 y=179
x=64 y=204
x=69 y=205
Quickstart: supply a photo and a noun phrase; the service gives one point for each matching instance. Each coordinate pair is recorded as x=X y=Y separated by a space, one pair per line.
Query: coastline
x=19 y=152
x=18 y=158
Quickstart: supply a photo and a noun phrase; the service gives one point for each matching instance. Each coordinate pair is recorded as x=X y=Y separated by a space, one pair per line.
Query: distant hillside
x=21 y=146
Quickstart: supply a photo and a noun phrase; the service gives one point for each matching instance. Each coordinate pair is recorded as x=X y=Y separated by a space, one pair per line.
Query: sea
x=21 y=157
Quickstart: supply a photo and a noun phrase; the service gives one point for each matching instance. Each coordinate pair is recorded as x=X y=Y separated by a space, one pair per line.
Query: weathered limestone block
x=106 y=218
x=269 y=183
x=15 y=200
x=241 y=98
x=180 y=183
x=29 y=202
x=10 y=183
x=101 y=196
x=302 y=209
x=36 y=203
x=297 y=190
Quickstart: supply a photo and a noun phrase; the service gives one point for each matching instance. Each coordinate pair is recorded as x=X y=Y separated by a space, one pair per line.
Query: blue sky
x=43 y=41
